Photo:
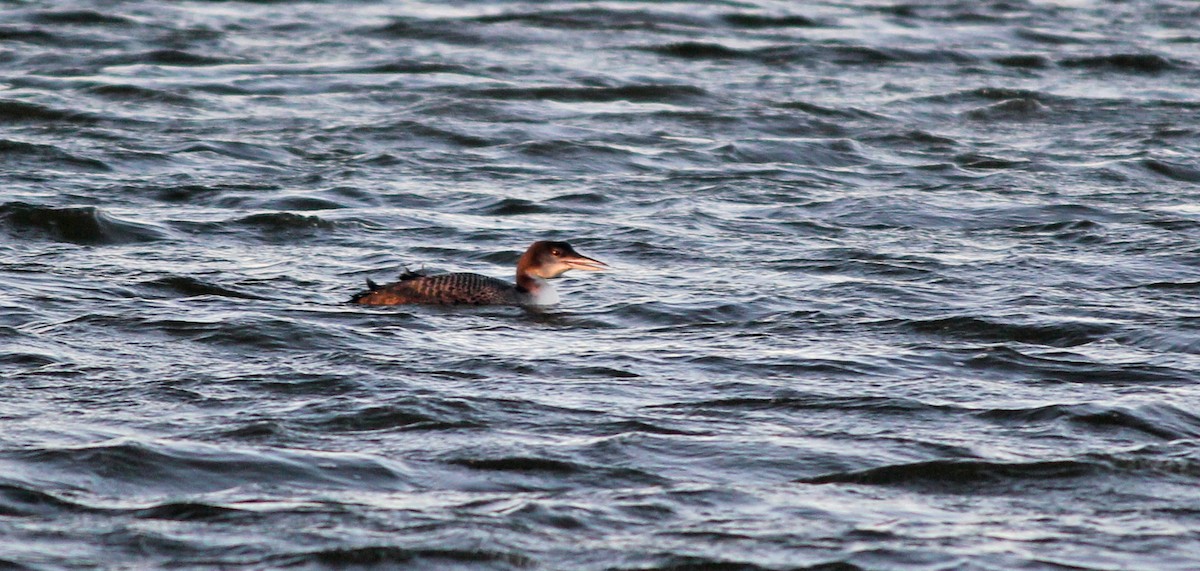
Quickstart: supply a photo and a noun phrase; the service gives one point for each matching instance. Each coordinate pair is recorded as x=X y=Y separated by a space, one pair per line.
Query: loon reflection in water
x=542 y=261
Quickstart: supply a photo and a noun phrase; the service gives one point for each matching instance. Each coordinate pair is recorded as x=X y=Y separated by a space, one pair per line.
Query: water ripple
x=892 y=285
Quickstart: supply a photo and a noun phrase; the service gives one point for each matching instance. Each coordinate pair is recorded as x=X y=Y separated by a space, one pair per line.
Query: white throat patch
x=545 y=293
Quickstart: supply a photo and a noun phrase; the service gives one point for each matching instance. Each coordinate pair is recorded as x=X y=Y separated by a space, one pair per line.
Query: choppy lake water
x=895 y=286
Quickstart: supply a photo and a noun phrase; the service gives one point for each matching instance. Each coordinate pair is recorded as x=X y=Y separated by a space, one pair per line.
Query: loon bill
x=541 y=262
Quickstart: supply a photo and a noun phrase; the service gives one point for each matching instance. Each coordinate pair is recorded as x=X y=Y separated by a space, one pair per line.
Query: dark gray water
x=895 y=286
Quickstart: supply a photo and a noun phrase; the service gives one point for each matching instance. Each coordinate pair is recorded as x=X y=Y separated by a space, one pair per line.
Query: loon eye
x=556 y=252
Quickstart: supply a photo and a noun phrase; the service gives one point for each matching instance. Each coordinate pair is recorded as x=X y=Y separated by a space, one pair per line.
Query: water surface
x=895 y=286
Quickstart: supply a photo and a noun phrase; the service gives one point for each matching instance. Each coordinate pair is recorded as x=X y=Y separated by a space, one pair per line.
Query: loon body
x=541 y=262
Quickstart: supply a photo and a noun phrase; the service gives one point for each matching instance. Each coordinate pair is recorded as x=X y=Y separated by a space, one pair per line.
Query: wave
x=168 y=57
x=410 y=67
x=990 y=93
x=79 y=18
x=251 y=152
x=504 y=207
x=672 y=93
x=1030 y=61
x=1182 y=285
x=446 y=31
x=139 y=94
x=698 y=563
x=245 y=332
x=28 y=35
x=188 y=286
x=959 y=474
x=700 y=314
x=388 y=555
x=596 y=19
x=519 y=464
x=179 y=467
x=825 y=111
x=759 y=21
x=78 y=225
x=301 y=203
x=22 y=154
x=875 y=405
x=194 y=194
x=1159 y=421
x=1064 y=367
x=384 y=418
x=1057 y=37
x=591 y=156
x=535 y=472
x=835 y=54
x=1128 y=63
x=1055 y=334
x=18 y=500
x=1009 y=110
x=575 y=200
x=976 y=475
x=269 y=224
x=608 y=19
x=13 y=111
x=26 y=359
x=1182 y=173
x=188 y=511
x=701 y=50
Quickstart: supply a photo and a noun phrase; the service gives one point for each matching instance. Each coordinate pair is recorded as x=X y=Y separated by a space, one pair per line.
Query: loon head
x=551 y=259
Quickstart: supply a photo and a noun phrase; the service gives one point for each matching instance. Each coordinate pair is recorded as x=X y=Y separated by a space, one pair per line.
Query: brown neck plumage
x=526 y=280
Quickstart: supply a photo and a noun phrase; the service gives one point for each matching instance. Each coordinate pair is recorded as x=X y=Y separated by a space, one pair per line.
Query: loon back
x=443 y=289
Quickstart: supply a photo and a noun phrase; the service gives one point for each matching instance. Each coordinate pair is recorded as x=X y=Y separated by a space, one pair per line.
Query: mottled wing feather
x=443 y=289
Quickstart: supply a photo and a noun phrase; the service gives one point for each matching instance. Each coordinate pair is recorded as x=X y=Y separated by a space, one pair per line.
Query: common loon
x=542 y=261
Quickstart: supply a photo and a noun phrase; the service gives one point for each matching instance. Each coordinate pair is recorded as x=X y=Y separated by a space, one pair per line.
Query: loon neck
x=529 y=282
x=537 y=288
